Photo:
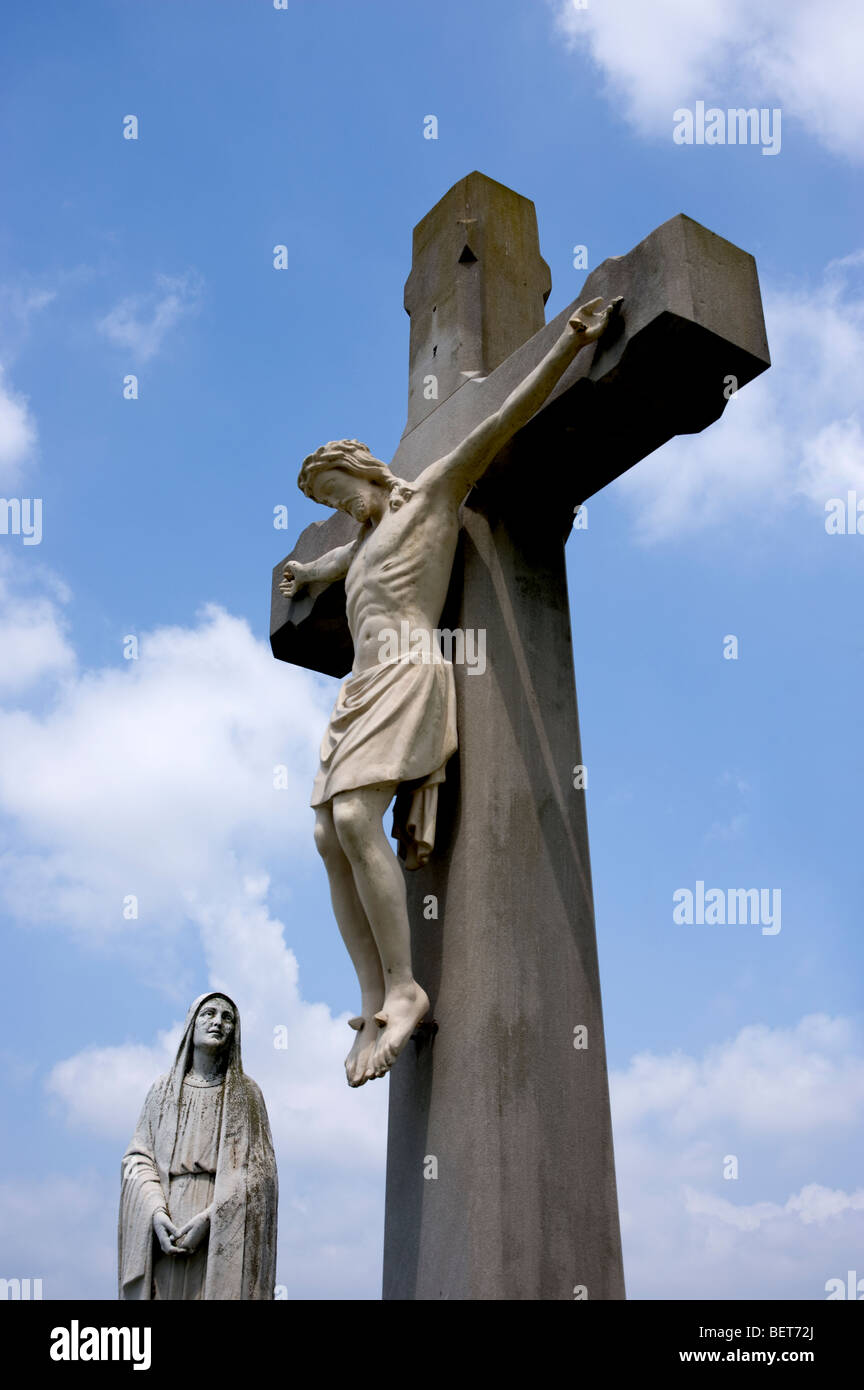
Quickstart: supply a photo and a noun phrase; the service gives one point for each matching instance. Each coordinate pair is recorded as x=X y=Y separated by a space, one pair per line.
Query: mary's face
x=214 y=1024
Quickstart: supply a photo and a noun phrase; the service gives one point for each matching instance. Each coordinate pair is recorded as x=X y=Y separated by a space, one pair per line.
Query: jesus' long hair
x=350 y=456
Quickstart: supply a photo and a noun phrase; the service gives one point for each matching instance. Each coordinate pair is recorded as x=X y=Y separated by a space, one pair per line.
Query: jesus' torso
x=400 y=572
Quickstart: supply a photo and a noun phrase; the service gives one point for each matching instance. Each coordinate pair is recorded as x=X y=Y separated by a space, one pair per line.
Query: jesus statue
x=393 y=729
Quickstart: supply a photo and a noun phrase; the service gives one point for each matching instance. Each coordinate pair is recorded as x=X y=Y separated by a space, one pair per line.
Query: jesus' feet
x=359 y=1058
x=402 y=1010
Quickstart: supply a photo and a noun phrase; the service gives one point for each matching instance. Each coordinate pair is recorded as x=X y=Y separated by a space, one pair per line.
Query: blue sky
x=154 y=777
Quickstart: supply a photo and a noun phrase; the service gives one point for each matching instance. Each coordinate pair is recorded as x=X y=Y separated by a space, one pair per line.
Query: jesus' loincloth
x=395 y=722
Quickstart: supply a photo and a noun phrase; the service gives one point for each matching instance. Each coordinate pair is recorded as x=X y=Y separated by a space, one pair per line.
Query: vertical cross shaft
x=516 y=1119
x=476 y=289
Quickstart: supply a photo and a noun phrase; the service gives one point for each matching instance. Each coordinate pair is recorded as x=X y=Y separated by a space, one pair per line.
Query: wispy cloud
x=33 y=641
x=19 y=304
x=17 y=434
x=141 y=322
x=788 y=53
x=786 y=1104
x=795 y=433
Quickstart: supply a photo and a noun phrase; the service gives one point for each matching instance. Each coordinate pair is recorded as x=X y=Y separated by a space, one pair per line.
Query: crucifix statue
x=500 y=1173
x=394 y=725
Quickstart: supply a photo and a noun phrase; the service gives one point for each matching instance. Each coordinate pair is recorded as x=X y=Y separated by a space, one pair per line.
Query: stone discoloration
x=203 y=1137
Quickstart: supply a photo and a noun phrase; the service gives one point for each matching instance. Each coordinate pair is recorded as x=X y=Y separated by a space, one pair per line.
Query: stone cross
x=500 y=1170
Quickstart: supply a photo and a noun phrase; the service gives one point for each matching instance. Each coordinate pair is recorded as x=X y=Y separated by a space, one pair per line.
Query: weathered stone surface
x=524 y=1205
x=515 y=1116
x=199 y=1191
x=476 y=290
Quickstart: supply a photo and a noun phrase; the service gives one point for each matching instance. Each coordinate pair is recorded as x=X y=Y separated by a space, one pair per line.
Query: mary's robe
x=195 y=1146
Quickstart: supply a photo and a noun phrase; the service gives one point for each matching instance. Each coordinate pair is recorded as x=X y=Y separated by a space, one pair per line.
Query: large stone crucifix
x=500 y=1171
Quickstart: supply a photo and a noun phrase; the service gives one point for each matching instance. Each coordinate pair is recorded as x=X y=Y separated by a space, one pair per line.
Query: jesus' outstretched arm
x=333 y=565
x=459 y=470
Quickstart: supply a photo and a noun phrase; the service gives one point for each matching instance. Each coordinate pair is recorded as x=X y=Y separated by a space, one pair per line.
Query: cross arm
x=460 y=469
x=690 y=334
x=691 y=320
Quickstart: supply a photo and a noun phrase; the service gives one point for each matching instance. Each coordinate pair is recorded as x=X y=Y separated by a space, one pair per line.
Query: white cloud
x=17 y=434
x=833 y=461
x=783 y=1102
x=812 y=1205
x=19 y=304
x=33 y=641
x=815 y=1203
x=782 y=53
x=317 y=1120
x=139 y=323
x=33 y=302
x=794 y=433
x=102 y=1089
x=768 y=1080
x=687 y=1233
x=155 y=777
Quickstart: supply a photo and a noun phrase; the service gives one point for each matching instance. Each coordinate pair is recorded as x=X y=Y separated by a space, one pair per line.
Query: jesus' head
x=345 y=474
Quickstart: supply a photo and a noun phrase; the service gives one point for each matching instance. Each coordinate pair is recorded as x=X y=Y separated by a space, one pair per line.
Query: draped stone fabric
x=395 y=722
x=183 y=1277
x=190 y=1149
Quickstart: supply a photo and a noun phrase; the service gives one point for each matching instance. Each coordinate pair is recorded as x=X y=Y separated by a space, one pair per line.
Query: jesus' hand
x=590 y=319
x=294 y=578
x=166 y=1233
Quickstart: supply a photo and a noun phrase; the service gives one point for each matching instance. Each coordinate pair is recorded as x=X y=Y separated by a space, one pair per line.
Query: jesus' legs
x=360 y=943
x=380 y=884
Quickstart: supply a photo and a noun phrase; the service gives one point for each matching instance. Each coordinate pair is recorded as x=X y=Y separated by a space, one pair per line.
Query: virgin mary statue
x=198 y=1181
